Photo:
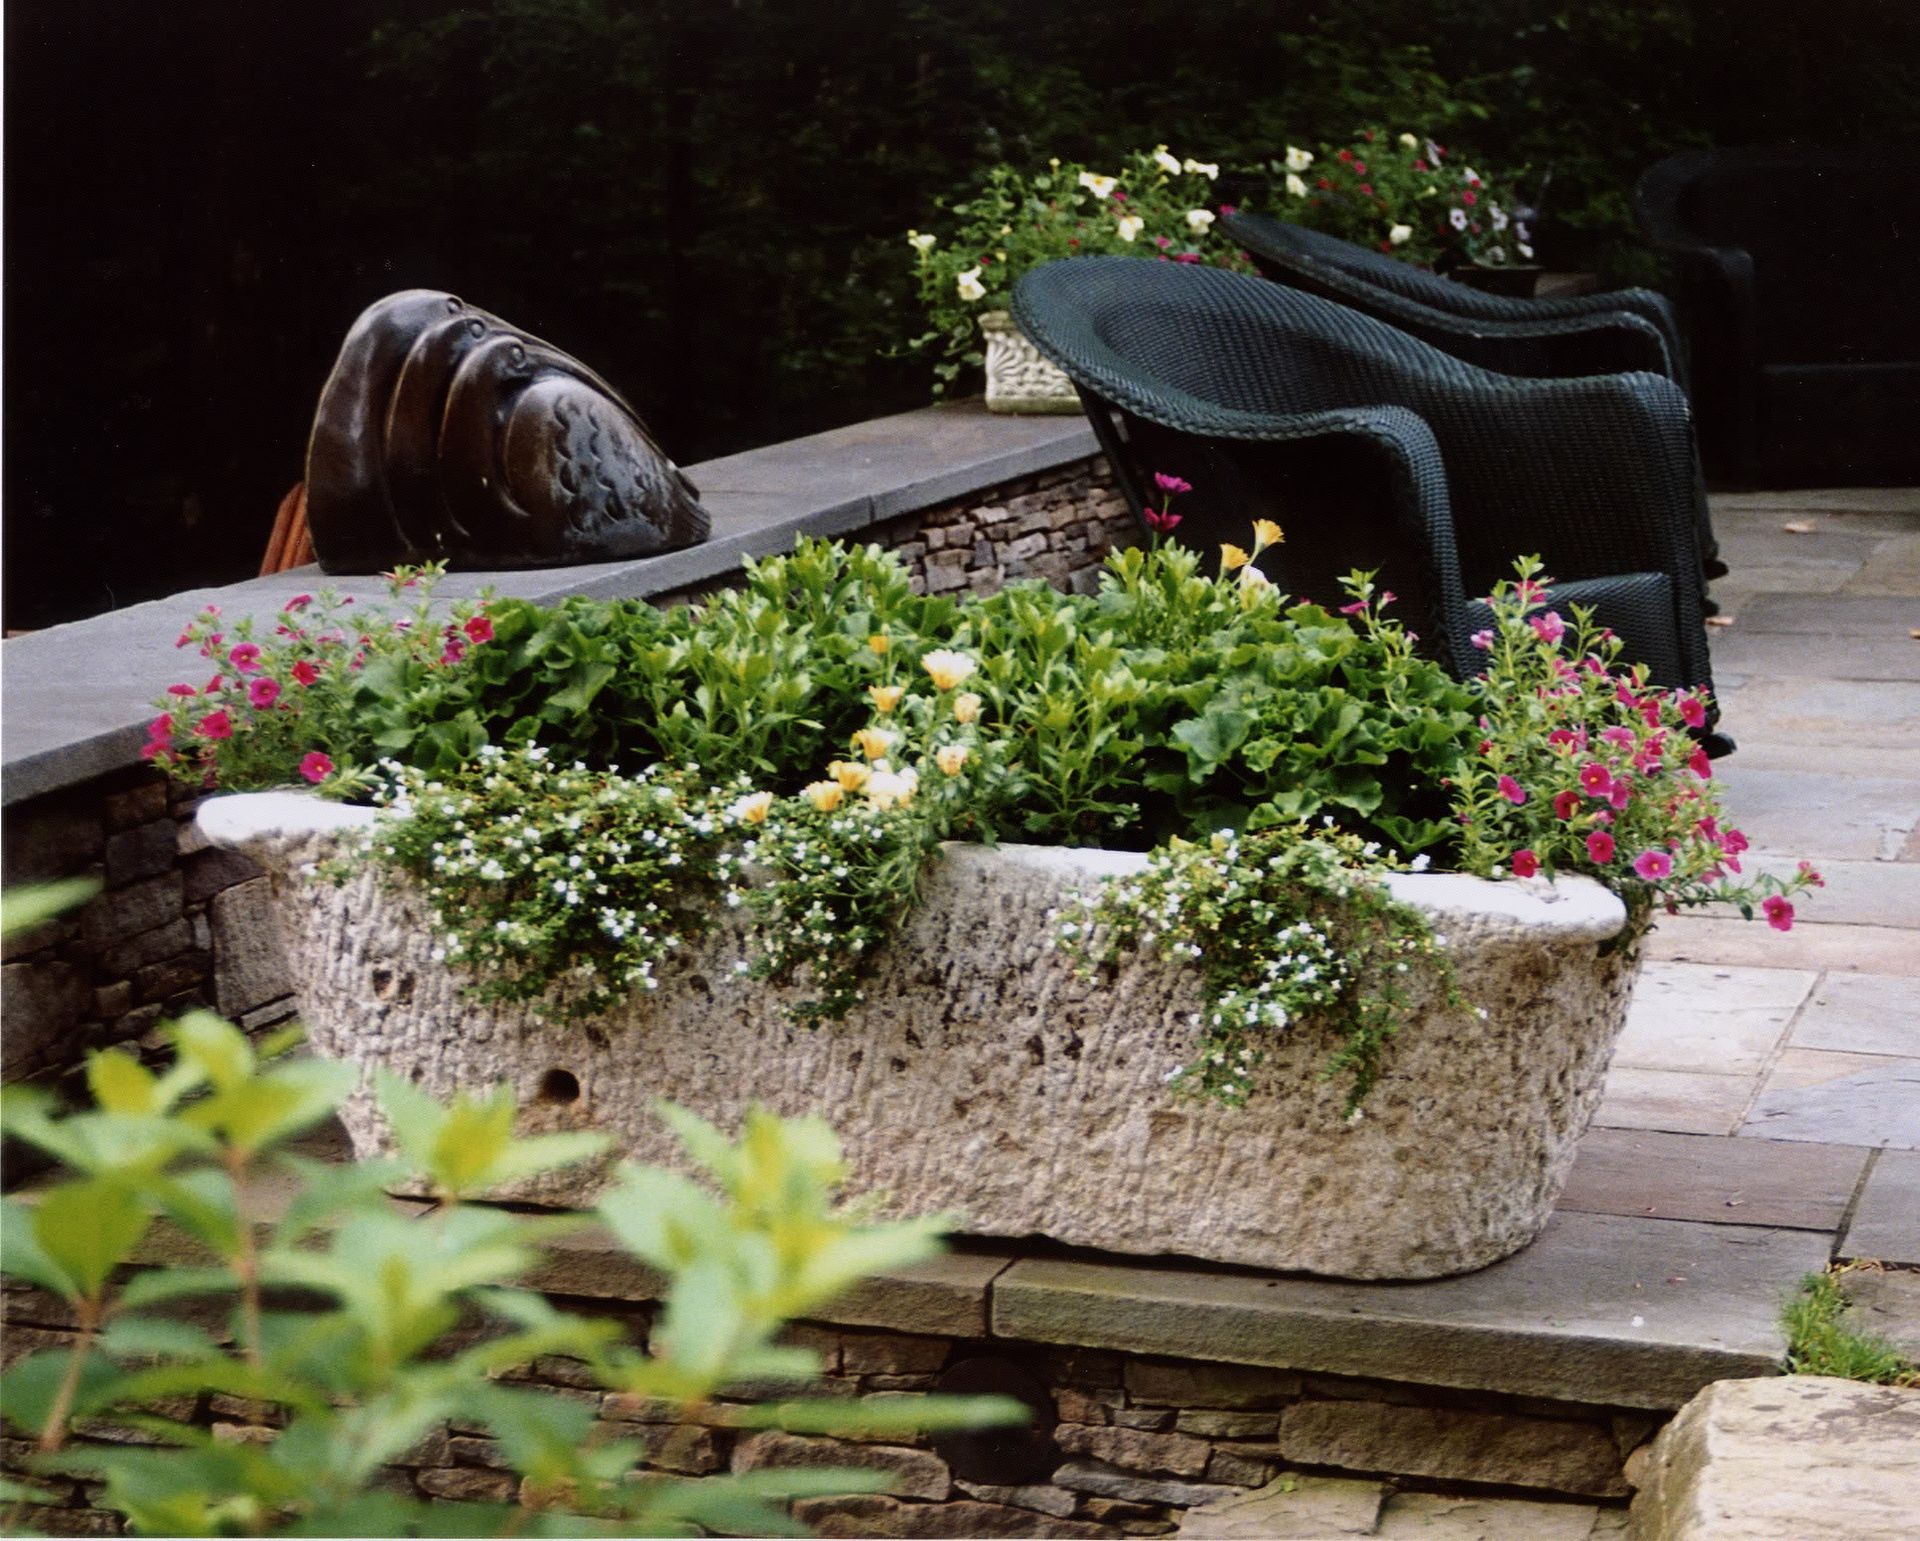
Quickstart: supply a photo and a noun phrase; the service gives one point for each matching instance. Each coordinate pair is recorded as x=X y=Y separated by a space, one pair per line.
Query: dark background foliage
x=705 y=198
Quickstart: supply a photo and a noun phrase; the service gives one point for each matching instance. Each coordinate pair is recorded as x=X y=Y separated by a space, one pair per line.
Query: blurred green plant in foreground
x=353 y=1318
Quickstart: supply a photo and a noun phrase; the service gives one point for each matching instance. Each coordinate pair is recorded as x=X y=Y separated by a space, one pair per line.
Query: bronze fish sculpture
x=445 y=434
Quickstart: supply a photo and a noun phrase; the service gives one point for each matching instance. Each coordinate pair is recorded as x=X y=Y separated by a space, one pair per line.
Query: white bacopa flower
x=1199 y=219
x=1298 y=160
x=1458 y=219
x=1399 y=235
x=1295 y=186
x=1130 y=226
x=1099 y=186
x=921 y=243
x=970 y=286
x=1167 y=163
x=1498 y=215
x=1207 y=169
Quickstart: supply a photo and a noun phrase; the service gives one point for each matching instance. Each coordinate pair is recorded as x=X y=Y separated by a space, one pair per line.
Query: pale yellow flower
x=1130 y=226
x=1167 y=163
x=951 y=758
x=753 y=808
x=885 y=697
x=875 y=742
x=1207 y=169
x=946 y=668
x=970 y=286
x=921 y=243
x=1267 y=533
x=879 y=642
x=850 y=775
x=891 y=789
x=1409 y=141
x=1298 y=160
x=1231 y=556
x=1295 y=187
x=966 y=706
x=1399 y=235
x=1099 y=186
x=1199 y=219
x=825 y=795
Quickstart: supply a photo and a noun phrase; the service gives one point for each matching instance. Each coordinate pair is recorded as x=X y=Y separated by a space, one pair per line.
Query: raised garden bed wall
x=179 y=925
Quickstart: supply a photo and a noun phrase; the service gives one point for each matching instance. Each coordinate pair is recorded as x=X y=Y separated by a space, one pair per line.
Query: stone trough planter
x=985 y=1080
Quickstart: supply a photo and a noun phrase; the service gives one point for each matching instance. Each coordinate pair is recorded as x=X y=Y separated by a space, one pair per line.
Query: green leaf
x=216 y=1046
x=894 y=1416
x=154 y=1285
x=144 y=1337
x=22 y=1257
x=30 y=1385
x=121 y=1084
x=21 y=909
x=89 y=1228
x=202 y=1203
x=661 y=1217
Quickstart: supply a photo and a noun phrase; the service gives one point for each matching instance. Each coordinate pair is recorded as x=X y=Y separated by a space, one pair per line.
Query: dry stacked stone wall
x=1135 y=1442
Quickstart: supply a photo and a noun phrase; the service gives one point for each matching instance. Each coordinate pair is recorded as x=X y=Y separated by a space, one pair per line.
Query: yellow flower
x=921 y=243
x=885 y=697
x=966 y=707
x=1267 y=533
x=1099 y=186
x=1409 y=141
x=1167 y=163
x=1131 y=226
x=879 y=642
x=1298 y=160
x=875 y=742
x=946 y=669
x=951 y=758
x=850 y=775
x=825 y=795
x=1231 y=556
x=970 y=286
x=890 y=789
x=753 y=808
x=1199 y=219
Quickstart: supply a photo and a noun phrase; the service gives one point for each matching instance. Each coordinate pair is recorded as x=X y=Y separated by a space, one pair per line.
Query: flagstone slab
x=1886 y=1224
x=1739 y=652
x=1894 y=568
x=1767 y=543
x=1858 y=893
x=1714 y=1179
x=1677 y=1101
x=1902 y=502
x=1885 y=1303
x=1853 y=615
x=1601 y=1309
x=1872 y=1100
x=1450 y=1517
x=1721 y=1020
x=1719 y=938
x=1820 y=813
x=1861 y=1014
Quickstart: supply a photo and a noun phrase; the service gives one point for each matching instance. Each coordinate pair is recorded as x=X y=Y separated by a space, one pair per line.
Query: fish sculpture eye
x=446 y=434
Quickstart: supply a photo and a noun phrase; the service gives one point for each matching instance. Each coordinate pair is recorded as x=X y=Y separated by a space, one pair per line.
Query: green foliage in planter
x=359 y=1327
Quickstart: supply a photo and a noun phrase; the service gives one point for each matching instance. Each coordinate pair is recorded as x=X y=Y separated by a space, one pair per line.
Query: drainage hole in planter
x=560 y=1086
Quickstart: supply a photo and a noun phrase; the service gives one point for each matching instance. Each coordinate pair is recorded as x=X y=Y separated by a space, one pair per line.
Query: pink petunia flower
x=1733 y=842
x=1653 y=865
x=298 y=602
x=1693 y=712
x=1595 y=779
x=305 y=673
x=1482 y=640
x=1700 y=765
x=216 y=725
x=1621 y=737
x=1164 y=522
x=1779 y=913
x=1600 y=846
x=456 y=649
x=478 y=629
x=182 y=690
x=1566 y=804
x=1525 y=864
x=262 y=693
x=160 y=730
x=1173 y=486
x=316 y=767
x=1548 y=627
x=245 y=657
x=1567 y=738
x=1511 y=790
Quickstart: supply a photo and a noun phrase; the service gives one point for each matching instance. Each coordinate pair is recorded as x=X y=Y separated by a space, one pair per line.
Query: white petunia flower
x=1167 y=163
x=1298 y=160
x=1130 y=226
x=1458 y=219
x=1295 y=186
x=1199 y=219
x=1099 y=186
x=921 y=243
x=1524 y=249
x=970 y=286
x=1409 y=142
x=1207 y=169
x=1399 y=235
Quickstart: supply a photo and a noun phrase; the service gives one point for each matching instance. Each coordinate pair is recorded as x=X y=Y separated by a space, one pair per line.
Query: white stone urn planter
x=985 y=1080
x=1019 y=378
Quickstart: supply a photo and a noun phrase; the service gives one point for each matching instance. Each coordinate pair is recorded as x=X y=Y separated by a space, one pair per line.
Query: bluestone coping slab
x=1886 y=1224
x=79 y=696
x=1677 y=1101
x=1894 y=568
x=1704 y=1017
x=1824 y=814
x=1631 y=1313
x=1714 y=1179
x=1875 y=1104
x=1861 y=1014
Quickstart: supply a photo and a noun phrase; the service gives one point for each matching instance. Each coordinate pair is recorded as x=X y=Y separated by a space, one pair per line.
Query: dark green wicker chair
x=1595 y=334
x=1373 y=449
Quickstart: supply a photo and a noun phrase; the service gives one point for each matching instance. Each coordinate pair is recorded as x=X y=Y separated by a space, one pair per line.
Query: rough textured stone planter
x=984 y=1079
x=1019 y=379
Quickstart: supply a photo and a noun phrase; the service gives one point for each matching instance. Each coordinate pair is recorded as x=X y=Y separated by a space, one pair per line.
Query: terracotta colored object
x=446 y=434
x=290 y=545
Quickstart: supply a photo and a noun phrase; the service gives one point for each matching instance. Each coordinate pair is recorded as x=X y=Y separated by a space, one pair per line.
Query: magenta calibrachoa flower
x=312 y=693
x=1583 y=769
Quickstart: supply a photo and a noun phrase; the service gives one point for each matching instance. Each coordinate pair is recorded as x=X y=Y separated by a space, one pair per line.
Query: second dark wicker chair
x=1373 y=449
